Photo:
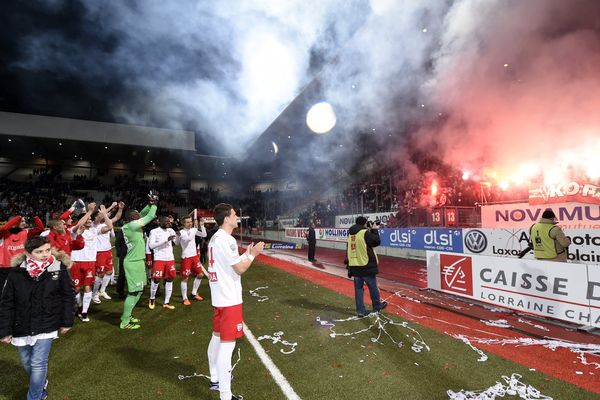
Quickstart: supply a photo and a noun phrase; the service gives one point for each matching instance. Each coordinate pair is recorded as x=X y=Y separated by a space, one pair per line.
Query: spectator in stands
x=362 y=263
x=13 y=235
x=548 y=240
x=392 y=222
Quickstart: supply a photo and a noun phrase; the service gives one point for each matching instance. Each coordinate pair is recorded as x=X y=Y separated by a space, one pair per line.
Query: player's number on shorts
x=212 y=276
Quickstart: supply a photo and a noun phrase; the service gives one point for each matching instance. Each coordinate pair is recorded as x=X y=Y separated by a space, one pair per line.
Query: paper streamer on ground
x=261 y=298
x=582 y=350
x=379 y=322
x=499 y=323
x=276 y=338
x=482 y=356
x=540 y=327
x=512 y=387
x=196 y=375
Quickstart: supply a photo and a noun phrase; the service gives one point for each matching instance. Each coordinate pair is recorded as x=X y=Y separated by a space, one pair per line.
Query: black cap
x=361 y=220
x=548 y=214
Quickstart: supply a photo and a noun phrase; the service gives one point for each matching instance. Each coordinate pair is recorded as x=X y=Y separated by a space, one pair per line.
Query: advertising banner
x=440 y=239
x=593 y=293
x=584 y=249
x=550 y=289
x=346 y=221
x=283 y=246
x=333 y=234
x=522 y=215
x=204 y=213
x=576 y=191
x=288 y=222
x=298 y=233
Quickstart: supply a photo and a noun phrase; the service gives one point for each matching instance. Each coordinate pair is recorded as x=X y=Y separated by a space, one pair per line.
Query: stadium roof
x=14 y=124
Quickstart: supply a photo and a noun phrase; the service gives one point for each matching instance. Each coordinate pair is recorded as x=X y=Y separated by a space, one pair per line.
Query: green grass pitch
x=99 y=361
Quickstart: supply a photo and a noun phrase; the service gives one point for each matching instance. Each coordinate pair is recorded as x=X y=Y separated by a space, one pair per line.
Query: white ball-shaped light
x=321 y=118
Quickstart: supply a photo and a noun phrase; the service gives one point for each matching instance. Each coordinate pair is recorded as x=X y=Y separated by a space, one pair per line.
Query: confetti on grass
x=261 y=298
x=512 y=387
x=196 y=375
x=379 y=322
x=276 y=338
x=482 y=356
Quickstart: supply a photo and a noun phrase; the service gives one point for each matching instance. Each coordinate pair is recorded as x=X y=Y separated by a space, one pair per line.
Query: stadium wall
x=279 y=236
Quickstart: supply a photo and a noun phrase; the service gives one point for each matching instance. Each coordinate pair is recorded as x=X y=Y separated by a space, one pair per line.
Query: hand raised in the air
x=153 y=197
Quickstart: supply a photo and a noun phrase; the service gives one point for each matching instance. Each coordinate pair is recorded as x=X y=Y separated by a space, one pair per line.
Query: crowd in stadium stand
x=47 y=195
x=380 y=192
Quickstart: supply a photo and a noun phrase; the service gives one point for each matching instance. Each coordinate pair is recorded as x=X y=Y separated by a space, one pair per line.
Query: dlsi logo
x=439 y=238
x=475 y=241
x=402 y=236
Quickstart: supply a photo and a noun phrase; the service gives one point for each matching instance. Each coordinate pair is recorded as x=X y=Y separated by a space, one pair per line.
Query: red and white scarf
x=35 y=268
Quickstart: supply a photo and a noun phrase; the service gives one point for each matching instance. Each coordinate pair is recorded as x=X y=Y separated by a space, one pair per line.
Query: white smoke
x=227 y=68
x=485 y=84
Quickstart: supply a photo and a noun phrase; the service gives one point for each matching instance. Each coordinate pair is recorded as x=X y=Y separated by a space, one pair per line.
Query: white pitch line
x=283 y=384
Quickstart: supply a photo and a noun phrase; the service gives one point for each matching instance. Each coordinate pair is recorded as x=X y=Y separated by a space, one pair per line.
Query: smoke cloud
x=501 y=88
x=225 y=69
x=518 y=83
x=504 y=89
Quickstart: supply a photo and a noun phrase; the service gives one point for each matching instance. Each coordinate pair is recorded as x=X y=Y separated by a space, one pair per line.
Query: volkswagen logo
x=475 y=241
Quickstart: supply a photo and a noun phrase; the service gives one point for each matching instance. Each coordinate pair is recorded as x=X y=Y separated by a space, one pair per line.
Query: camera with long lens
x=371 y=224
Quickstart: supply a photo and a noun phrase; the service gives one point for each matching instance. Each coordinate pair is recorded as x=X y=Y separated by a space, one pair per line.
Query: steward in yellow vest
x=362 y=264
x=361 y=258
x=548 y=240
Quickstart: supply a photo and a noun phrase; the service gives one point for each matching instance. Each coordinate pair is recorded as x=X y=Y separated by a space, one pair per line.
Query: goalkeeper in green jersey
x=135 y=260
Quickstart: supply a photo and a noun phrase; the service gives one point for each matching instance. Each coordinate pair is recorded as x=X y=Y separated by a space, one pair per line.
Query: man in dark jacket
x=37 y=303
x=312 y=242
x=362 y=263
x=121 y=249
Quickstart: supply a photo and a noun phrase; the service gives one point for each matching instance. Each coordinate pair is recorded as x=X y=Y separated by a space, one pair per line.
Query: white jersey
x=160 y=243
x=88 y=253
x=148 y=251
x=225 y=283
x=104 y=238
x=187 y=241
